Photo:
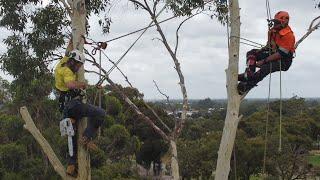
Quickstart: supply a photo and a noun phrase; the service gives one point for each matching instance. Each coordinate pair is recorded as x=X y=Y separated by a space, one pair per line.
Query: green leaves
x=48 y=31
x=12 y=156
x=11 y=127
x=215 y=8
x=185 y=7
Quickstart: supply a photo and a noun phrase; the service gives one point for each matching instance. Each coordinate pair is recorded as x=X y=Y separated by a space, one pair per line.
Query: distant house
x=210 y=110
x=190 y=113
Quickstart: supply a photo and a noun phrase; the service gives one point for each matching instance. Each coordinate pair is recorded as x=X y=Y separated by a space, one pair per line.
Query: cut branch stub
x=31 y=127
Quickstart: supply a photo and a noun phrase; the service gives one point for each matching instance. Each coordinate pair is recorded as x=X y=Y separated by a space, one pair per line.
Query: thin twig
x=167 y=98
x=111 y=61
x=177 y=31
x=94 y=72
x=178 y=124
x=94 y=62
x=157 y=116
x=127 y=80
x=138 y=4
x=157 y=39
x=137 y=110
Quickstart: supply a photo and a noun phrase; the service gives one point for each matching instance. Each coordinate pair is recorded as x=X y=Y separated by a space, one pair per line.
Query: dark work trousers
x=266 y=68
x=77 y=110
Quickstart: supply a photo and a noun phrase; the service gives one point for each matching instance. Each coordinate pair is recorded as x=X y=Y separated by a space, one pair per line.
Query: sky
x=203 y=52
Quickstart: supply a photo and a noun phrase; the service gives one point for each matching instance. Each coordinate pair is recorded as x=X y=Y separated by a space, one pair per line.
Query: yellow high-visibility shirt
x=63 y=75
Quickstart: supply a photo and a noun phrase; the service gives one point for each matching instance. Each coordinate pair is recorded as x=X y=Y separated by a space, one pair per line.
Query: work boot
x=245 y=87
x=72 y=170
x=88 y=143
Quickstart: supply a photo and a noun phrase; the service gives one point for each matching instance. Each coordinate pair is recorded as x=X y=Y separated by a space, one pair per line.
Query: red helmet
x=282 y=17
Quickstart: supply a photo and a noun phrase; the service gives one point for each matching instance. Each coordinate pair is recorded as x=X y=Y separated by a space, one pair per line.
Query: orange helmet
x=282 y=17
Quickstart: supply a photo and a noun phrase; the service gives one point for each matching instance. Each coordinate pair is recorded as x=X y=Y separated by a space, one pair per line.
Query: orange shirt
x=284 y=40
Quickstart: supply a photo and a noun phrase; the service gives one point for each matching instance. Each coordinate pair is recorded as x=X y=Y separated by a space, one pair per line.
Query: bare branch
x=105 y=78
x=115 y=65
x=139 y=4
x=66 y=6
x=137 y=110
x=157 y=39
x=312 y=28
x=177 y=32
x=94 y=62
x=31 y=127
x=157 y=116
x=147 y=5
x=313 y=21
x=181 y=77
x=155 y=6
x=167 y=98
x=94 y=72
x=127 y=80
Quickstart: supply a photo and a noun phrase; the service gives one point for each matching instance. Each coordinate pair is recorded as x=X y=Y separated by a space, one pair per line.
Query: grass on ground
x=314 y=160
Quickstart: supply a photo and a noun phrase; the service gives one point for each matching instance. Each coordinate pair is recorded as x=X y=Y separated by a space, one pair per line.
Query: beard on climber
x=276 y=56
x=72 y=107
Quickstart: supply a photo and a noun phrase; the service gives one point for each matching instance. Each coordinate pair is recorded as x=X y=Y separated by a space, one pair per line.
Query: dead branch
x=178 y=69
x=137 y=110
x=127 y=80
x=156 y=115
x=31 y=127
x=125 y=77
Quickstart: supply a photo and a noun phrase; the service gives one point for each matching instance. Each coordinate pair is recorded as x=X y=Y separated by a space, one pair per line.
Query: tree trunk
x=174 y=160
x=234 y=99
x=78 y=23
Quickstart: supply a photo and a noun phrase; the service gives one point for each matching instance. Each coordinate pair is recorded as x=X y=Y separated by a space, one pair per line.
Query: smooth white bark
x=234 y=99
x=78 y=24
x=174 y=160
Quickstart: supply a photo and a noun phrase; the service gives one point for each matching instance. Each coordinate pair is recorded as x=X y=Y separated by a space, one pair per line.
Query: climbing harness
x=67 y=96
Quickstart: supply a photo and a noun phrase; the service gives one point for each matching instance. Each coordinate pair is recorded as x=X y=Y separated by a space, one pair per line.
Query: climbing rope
x=145 y=30
x=280 y=111
x=268 y=102
x=139 y=30
x=269 y=92
x=100 y=77
x=104 y=44
x=267 y=123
